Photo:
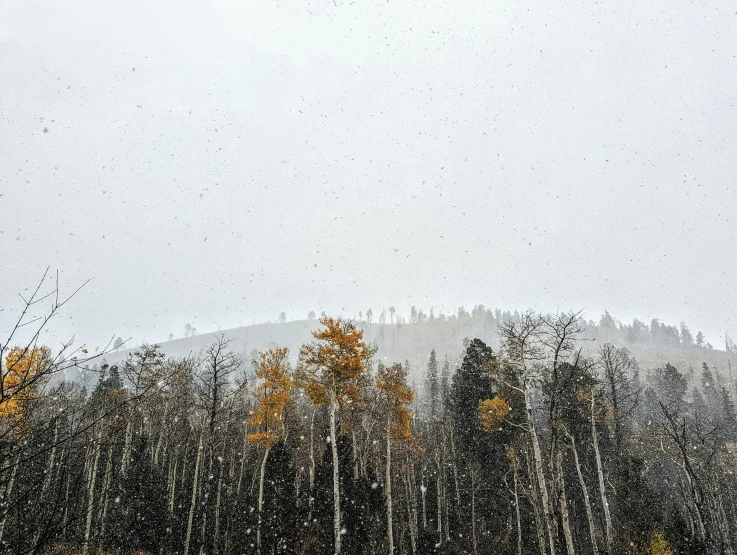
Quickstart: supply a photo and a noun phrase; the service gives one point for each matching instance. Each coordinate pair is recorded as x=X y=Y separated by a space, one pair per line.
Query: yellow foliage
x=658 y=545
x=391 y=380
x=333 y=362
x=262 y=438
x=24 y=368
x=492 y=413
x=273 y=394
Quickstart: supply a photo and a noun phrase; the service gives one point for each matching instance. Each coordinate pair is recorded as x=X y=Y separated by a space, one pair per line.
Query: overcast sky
x=216 y=163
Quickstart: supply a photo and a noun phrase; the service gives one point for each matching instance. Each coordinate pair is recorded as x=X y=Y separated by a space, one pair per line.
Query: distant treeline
x=607 y=327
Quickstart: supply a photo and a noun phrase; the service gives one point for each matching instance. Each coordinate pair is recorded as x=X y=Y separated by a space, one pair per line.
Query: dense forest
x=538 y=441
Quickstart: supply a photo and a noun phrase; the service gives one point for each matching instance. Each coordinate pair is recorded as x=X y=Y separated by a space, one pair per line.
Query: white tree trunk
x=563 y=502
x=423 y=491
x=537 y=462
x=539 y=528
x=8 y=491
x=586 y=500
x=388 y=487
x=355 y=454
x=193 y=504
x=243 y=460
x=440 y=497
x=106 y=489
x=127 y=444
x=47 y=477
x=52 y=460
x=516 y=510
x=411 y=514
x=91 y=498
x=261 y=499
x=312 y=464
x=173 y=484
x=600 y=474
x=216 y=532
x=336 y=475
x=455 y=474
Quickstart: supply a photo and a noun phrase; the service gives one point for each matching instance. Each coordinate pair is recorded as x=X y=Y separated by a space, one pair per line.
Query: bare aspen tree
x=521 y=345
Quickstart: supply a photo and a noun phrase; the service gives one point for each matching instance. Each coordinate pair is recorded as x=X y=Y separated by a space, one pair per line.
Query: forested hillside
x=483 y=433
x=411 y=337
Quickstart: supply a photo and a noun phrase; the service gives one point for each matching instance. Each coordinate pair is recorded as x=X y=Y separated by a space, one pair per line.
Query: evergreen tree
x=472 y=383
x=728 y=416
x=433 y=386
x=139 y=513
x=279 y=515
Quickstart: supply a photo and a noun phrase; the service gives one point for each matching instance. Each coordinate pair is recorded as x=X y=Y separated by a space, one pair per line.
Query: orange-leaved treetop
x=391 y=380
x=492 y=413
x=329 y=370
x=24 y=370
x=273 y=395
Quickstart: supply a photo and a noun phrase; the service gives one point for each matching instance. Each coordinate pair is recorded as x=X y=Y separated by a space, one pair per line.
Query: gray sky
x=219 y=162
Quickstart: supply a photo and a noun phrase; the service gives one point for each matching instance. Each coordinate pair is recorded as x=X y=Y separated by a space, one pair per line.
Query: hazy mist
x=217 y=163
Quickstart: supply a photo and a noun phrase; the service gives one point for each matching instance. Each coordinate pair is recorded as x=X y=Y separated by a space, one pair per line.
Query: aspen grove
x=538 y=445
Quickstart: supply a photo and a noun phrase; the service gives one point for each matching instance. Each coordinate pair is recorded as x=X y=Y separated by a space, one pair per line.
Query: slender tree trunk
x=161 y=437
x=184 y=467
x=106 y=490
x=355 y=454
x=336 y=475
x=455 y=474
x=516 y=508
x=445 y=506
x=47 y=478
x=423 y=491
x=261 y=499
x=52 y=460
x=411 y=520
x=537 y=461
x=193 y=504
x=91 y=498
x=8 y=492
x=243 y=460
x=600 y=475
x=440 y=497
x=586 y=500
x=472 y=472
x=127 y=444
x=563 y=501
x=297 y=487
x=205 y=495
x=723 y=523
x=216 y=531
x=173 y=483
x=64 y=520
x=312 y=464
x=388 y=487
x=696 y=498
x=536 y=507
x=412 y=477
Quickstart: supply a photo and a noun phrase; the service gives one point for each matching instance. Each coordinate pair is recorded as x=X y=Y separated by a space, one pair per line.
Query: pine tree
x=433 y=386
x=728 y=416
x=139 y=504
x=472 y=383
x=278 y=514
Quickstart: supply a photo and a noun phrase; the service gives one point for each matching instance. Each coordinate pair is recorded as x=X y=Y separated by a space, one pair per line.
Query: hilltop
x=412 y=342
